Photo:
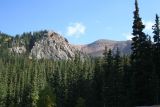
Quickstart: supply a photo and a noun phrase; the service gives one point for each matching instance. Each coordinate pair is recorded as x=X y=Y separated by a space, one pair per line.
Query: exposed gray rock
x=18 y=49
x=54 y=47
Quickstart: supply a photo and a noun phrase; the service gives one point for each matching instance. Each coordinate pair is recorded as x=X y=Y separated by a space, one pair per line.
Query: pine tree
x=138 y=35
x=34 y=87
x=118 y=73
x=156 y=31
x=98 y=84
x=127 y=78
x=108 y=87
x=140 y=60
x=156 y=57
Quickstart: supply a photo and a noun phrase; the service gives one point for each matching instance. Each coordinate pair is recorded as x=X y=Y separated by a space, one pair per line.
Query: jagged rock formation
x=53 y=46
x=96 y=48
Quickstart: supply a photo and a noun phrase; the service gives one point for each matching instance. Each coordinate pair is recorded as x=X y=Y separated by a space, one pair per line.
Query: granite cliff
x=53 y=46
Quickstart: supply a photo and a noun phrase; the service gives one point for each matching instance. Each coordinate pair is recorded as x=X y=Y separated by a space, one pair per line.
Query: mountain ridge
x=51 y=45
x=97 y=47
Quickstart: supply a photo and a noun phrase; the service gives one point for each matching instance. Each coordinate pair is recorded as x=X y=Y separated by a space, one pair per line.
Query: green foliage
x=80 y=102
x=156 y=30
x=141 y=62
x=110 y=81
x=156 y=59
x=47 y=98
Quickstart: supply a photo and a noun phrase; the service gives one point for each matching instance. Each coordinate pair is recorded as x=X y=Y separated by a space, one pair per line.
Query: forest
x=109 y=81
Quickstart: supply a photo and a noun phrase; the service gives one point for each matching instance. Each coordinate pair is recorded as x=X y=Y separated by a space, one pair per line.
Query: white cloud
x=128 y=36
x=148 y=26
x=76 y=29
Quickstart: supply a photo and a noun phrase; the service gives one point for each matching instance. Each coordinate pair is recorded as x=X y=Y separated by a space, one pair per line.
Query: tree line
x=109 y=81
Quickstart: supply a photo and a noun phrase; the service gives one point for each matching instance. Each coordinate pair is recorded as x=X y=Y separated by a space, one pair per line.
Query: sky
x=80 y=21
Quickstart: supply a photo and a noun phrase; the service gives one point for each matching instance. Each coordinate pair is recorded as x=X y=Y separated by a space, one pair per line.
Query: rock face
x=53 y=46
x=18 y=50
x=96 y=48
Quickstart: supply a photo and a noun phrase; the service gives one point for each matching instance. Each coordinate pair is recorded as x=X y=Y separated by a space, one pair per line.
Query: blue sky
x=80 y=21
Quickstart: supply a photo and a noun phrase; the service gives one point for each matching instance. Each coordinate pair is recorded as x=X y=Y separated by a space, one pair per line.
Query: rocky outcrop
x=53 y=46
x=18 y=49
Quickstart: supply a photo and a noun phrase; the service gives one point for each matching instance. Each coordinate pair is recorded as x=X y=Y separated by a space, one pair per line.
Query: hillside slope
x=96 y=48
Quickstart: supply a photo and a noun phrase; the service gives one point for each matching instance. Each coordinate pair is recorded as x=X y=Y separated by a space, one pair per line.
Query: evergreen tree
x=118 y=75
x=156 y=57
x=138 y=35
x=108 y=87
x=127 y=78
x=156 y=31
x=98 y=84
x=140 y=60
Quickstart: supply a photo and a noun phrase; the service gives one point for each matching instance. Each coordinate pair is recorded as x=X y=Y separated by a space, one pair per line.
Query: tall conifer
x=156 y=58
x=140 y=60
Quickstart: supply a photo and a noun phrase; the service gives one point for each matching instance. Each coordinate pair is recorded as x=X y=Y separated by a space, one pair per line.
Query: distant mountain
x=96 y=48
x=51 y=45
